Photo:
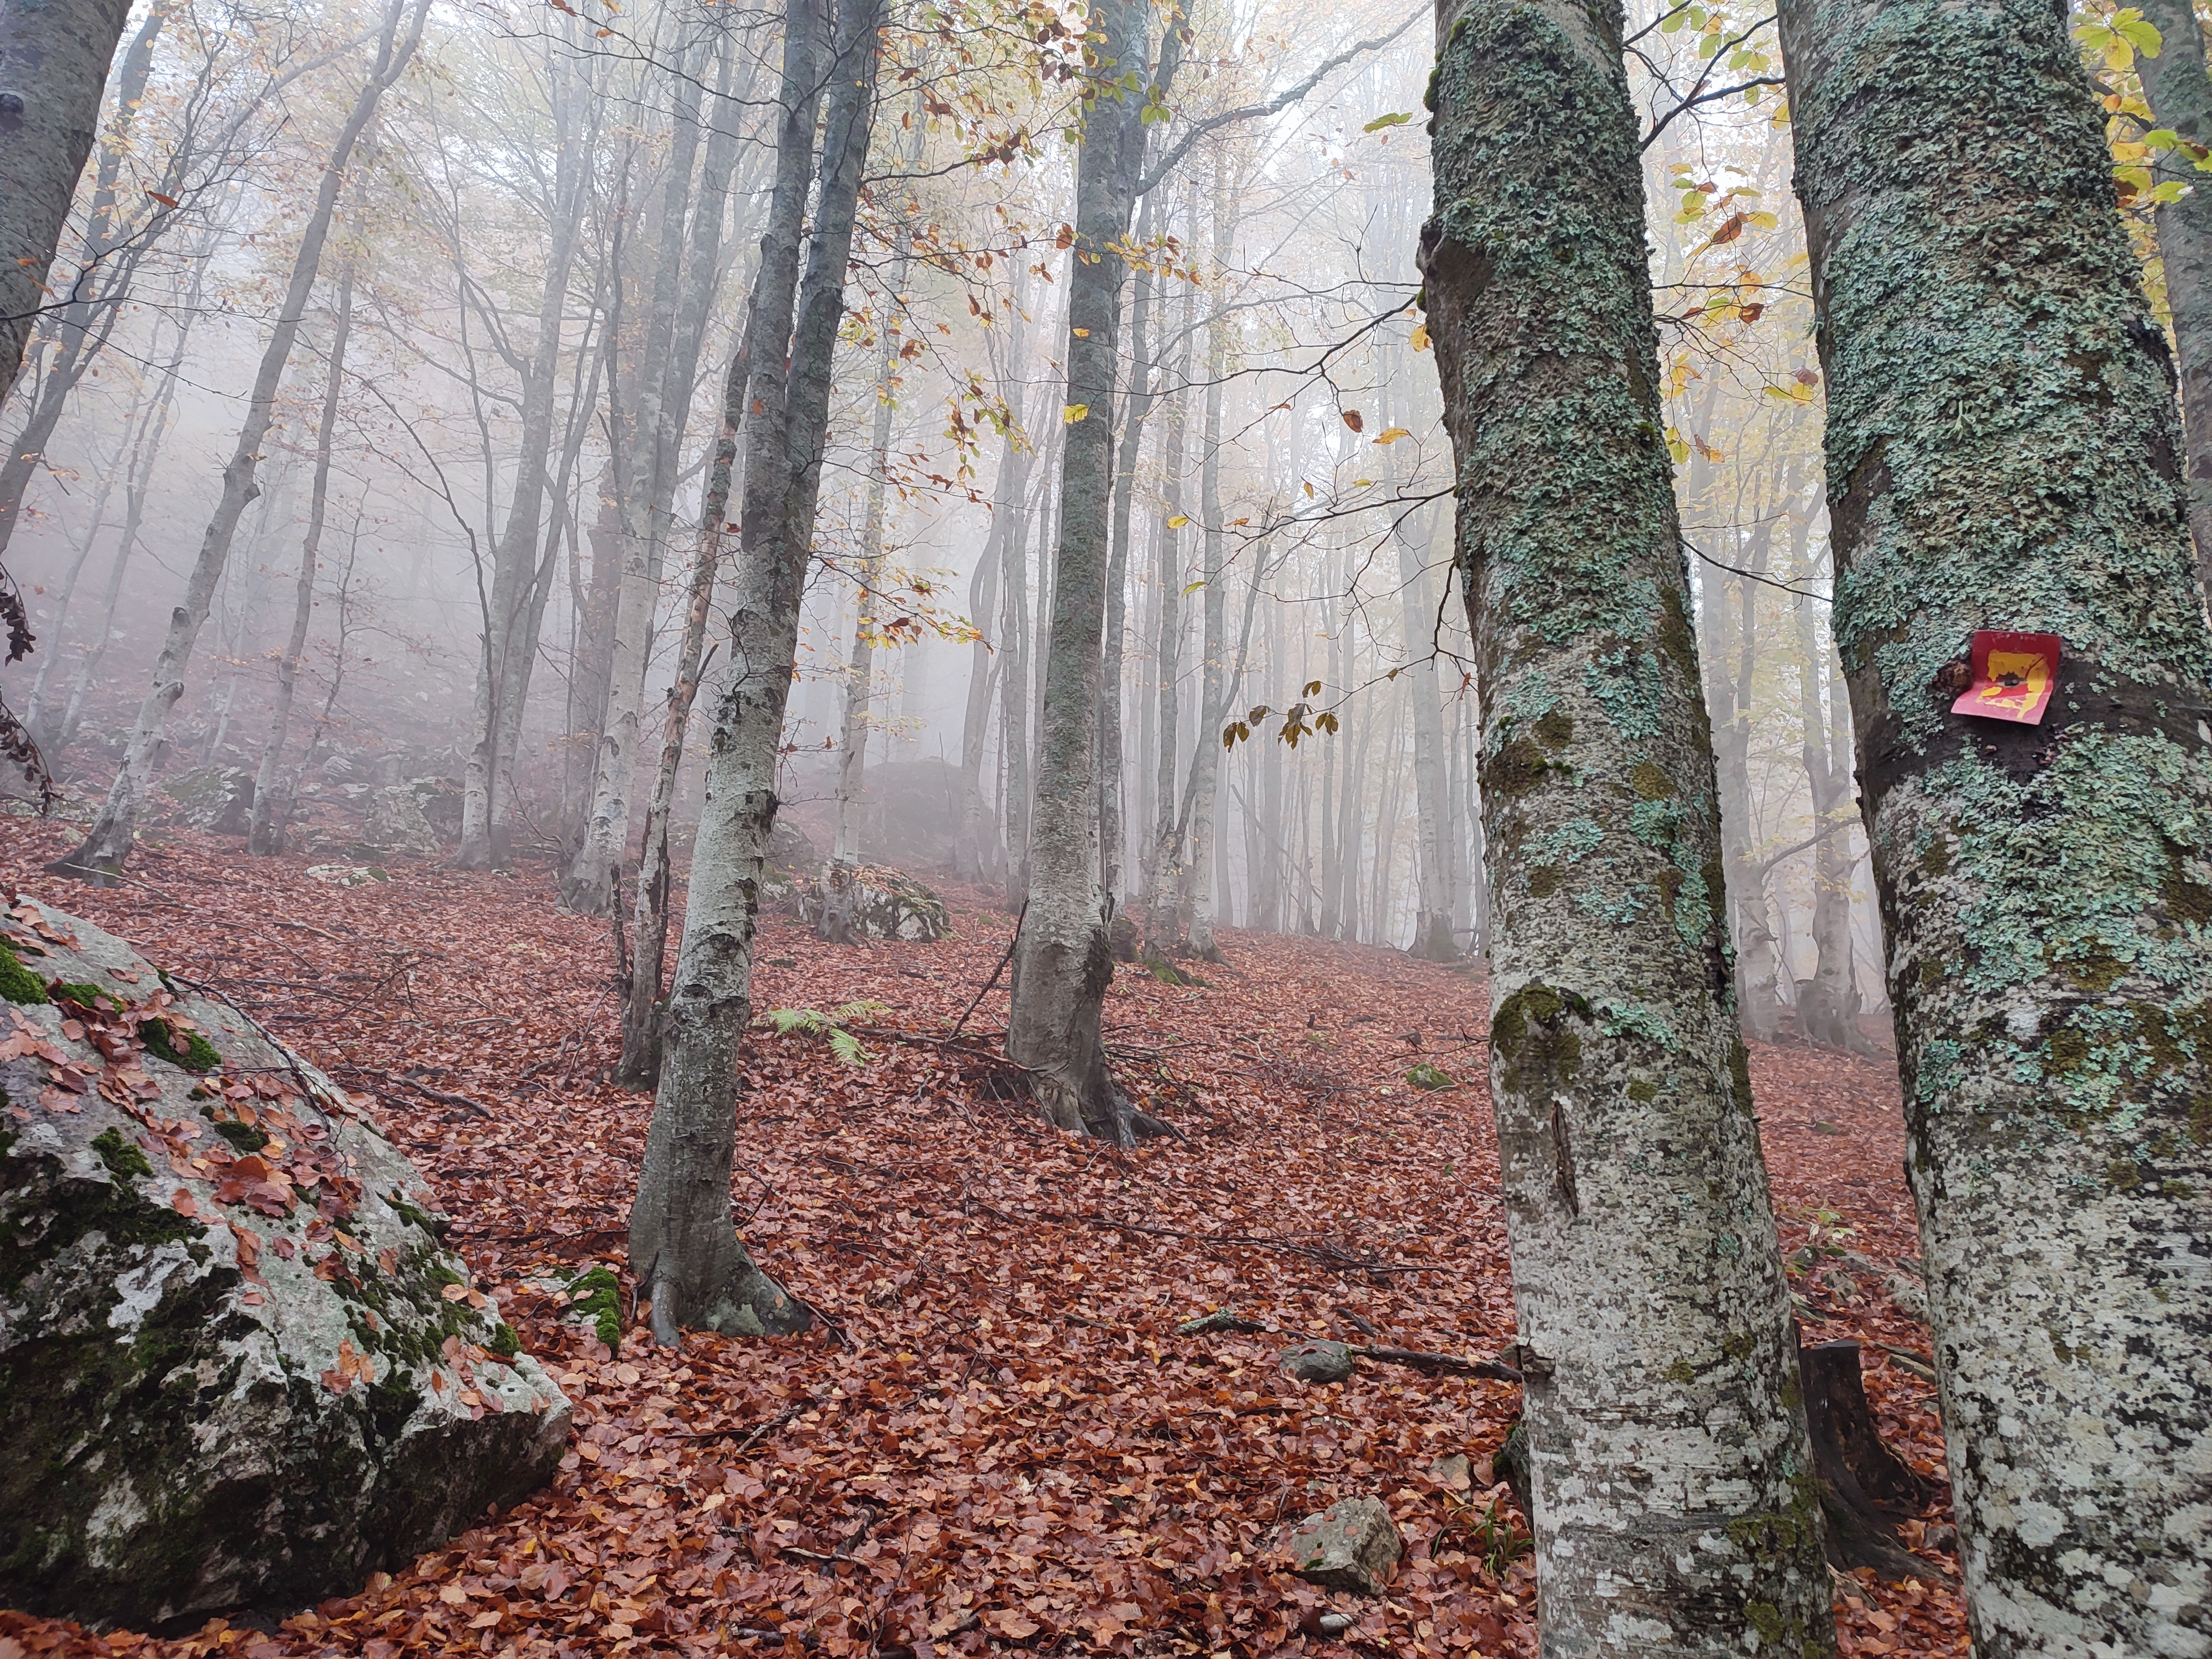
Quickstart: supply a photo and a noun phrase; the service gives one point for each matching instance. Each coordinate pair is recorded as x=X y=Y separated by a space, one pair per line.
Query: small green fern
x=831 y=1026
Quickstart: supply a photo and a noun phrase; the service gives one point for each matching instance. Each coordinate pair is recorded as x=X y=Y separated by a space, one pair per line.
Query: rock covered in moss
x=237 y=1369
x=886 y=904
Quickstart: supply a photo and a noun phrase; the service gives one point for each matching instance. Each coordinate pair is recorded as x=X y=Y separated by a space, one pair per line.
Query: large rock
x=217 y=798
x=398 y=823
x=1350 y=1546
x=886 y=904
x=237 y=1369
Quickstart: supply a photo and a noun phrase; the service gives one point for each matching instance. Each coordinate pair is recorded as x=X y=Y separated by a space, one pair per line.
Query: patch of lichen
x=1651 y=781
x=1555 y=729
x=124 y=1157
x=597 y=1293
x=17 y=982
x=198 y=1055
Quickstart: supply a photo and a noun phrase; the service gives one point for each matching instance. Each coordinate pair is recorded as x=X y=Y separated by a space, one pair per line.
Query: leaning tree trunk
x=2180 y=92
x=683 y=1248
x=2046 y=888
x=1062 y=961
x=264 y=833
x=99 y=857
x=1675 y=1511
x=53 y=70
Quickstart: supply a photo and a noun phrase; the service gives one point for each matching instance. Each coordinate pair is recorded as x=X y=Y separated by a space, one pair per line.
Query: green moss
x=2068 y=1051
x=1650 y=782
x=17 y=982
x=244 y=1136
x=1543 y=881
x=1425 y=1076
x=1517 y=768
x=1556 y=730
x=123 y=1156
x=597 y=1293
x=1527 y=1034
x=84 y=995
x=198 y=1055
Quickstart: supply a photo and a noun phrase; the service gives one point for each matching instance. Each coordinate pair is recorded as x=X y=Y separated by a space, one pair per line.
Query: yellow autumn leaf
x=1179 y=521
x=1393 y=435
x=1074 y=412
x=1193 y=588
x=1420 y=337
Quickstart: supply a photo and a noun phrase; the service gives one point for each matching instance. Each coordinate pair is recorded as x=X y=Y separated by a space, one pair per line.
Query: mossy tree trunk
x=2000 y=448
x=683 y=1248
x=1675 y=1509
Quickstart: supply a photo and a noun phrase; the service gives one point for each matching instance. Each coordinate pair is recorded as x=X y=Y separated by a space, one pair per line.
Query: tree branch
x=1280 y=100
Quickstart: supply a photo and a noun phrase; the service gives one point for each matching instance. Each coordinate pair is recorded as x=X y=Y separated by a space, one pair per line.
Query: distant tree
x=1675 y=1509
x=101 y=856
x=2001 y=454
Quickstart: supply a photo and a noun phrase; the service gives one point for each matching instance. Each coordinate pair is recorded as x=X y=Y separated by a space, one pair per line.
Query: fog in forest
x=507 y=386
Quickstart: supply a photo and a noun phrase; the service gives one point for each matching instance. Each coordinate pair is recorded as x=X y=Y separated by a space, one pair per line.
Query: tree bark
x=1198 y=884
x=642 y=1023
x=1062 y=961
x=1675 y=1507
x=99 y=857
x=2179 y=94
x=2047 y=889
x=682 y=1244
x=264 y=834
x=53 y=70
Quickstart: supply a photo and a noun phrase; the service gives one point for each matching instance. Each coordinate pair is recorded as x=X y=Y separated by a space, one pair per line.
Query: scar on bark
x=1563 y=1160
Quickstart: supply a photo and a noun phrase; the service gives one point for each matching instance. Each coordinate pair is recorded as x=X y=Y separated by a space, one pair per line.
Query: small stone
x=1455 y=1472
x=1319 y=1361
x=1352 y=1545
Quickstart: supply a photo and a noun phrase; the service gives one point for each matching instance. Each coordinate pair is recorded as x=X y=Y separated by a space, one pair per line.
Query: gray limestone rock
x=237 y=1369
x=1352 y=1545
x=1318 y=1361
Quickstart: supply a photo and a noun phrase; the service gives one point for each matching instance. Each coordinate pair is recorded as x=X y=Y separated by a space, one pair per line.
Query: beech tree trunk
x=264 y=833
x=2046 y=889
x=53 y=70
x=1062 y=959
x=1675 y=1507
x=2179 y=92
x=99 y=857
x=683 y=1245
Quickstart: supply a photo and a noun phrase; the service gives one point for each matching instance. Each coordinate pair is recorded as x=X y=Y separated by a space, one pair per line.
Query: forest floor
x=995 y=1440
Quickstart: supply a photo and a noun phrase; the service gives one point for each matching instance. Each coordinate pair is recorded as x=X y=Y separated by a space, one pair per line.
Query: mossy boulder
x=237 y=1370
x=216 y=799
x=885 y=904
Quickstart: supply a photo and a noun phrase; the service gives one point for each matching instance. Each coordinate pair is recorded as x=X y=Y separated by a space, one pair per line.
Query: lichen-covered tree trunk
x=2180 y=92
x=99 y=857
x=2001 y=454
x=1675 y=1505
x=1062 y=962
x=683 y=1248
